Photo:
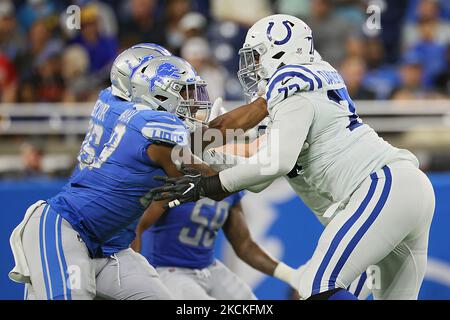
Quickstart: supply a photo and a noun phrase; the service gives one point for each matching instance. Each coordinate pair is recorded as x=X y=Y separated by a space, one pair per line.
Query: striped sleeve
x=289 y=80
x=166 y=129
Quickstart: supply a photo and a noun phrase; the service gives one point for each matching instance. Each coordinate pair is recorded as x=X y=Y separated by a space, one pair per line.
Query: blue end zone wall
x=296 y=227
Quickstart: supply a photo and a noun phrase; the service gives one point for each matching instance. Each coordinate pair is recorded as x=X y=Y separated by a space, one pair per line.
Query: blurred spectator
x=107 y=20
x=392 y=22
x=443 y=78
x=352 y=11
x=193 y=24
x=39 y=37
x=380 y=77
x=33 y=10
x=32 y=154
x=198 y=53
x=298 y=8
x=352 y=70
x=427 y=11
x=141 y=25
x=175 y=10
x=244 y=13
x=430 y=53
x=102 y=49
x=12 y=39
x=8 y=80
x=39 y=66
x=45 y=84
x=411 y=75
x=75 y=67
x=330 y=33
x=40 y=69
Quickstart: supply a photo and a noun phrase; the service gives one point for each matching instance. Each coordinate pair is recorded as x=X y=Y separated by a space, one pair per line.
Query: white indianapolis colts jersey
x=340 y=151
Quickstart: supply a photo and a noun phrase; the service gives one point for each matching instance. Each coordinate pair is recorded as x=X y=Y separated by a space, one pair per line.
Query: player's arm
x=238 y=234
x=162 y=153
x=150 y=216
x=292 y=119
x=244 y=117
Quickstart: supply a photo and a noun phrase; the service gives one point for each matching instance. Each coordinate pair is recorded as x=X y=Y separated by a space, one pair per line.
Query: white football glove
x=287 y=274
x=217 y=109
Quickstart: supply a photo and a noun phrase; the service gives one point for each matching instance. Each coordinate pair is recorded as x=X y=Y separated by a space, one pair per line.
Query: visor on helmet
x=195 y=105
x=250 y=70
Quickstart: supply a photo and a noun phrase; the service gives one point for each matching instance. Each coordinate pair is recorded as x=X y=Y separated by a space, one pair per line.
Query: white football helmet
x=271 y=43
x=171 y=84
x=125 y=64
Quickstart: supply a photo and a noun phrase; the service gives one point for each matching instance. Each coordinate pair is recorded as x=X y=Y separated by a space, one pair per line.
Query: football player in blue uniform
x=180 y=244
x=61 y=246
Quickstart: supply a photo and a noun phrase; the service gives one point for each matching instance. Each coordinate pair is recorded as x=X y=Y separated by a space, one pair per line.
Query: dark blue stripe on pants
x=53 y=262
x=43 y=251
x=341 y=233
x=63 y=260
x=360 y=233
x=361 y=282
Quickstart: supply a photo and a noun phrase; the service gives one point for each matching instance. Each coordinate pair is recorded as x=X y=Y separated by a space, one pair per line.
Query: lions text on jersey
x=110 y=194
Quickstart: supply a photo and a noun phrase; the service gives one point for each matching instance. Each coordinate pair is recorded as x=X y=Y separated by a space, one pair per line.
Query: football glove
x=188 y=188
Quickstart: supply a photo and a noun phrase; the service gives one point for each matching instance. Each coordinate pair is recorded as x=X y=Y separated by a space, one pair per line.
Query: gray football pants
x=60 y=266
x=213 y=282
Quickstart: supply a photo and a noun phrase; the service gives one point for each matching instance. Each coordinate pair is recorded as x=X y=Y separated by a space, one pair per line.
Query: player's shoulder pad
x=289 y=80
x=164 y=127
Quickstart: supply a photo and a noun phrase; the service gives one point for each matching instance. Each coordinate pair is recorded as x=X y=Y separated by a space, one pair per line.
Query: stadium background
x=399 y=75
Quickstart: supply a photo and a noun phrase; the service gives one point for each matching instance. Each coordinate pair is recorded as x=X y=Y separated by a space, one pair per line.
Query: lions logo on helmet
x=164 y=70
x=126 y=63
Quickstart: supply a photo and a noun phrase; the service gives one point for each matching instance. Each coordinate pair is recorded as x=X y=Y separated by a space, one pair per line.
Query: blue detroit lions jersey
x=106 y=111
x=110 y=193
x=184 y=236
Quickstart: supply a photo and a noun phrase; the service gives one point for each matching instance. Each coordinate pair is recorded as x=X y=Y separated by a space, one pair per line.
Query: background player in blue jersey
x=61 y=249
x=180 y=244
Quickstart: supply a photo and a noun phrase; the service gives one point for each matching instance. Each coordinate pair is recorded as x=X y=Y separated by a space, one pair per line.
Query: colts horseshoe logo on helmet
x=288 y=26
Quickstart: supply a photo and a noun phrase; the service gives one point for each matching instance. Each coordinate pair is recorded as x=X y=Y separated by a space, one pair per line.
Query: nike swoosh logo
x=284 y=81
x=191 y=186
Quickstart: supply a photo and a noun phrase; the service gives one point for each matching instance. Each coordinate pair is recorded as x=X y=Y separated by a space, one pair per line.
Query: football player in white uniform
x=375 y=203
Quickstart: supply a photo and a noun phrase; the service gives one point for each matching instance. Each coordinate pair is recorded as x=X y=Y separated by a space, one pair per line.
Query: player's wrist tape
x=284 y=272
x=211 y=187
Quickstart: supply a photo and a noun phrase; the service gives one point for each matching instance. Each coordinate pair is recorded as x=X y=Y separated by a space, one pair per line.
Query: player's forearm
x=278 y=157
x=244 y=117
x=257 y=258
x=253 y=255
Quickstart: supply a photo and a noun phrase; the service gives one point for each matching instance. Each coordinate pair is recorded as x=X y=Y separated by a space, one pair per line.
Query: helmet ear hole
x=160 y=98
x=278 y=55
